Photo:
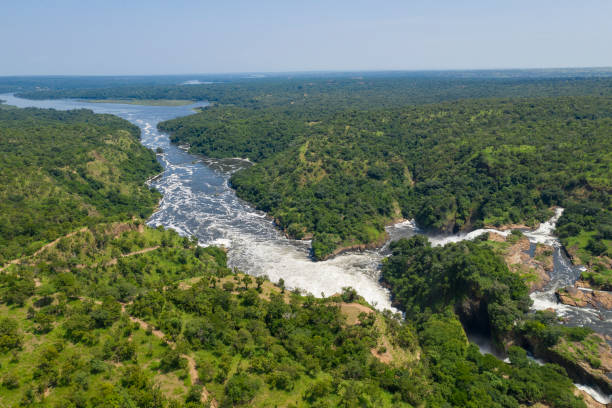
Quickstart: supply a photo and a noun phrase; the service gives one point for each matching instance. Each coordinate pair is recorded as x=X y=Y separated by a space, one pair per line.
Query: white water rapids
x=198 y=201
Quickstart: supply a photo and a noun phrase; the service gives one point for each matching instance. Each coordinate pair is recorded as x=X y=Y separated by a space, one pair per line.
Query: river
x=198 y=201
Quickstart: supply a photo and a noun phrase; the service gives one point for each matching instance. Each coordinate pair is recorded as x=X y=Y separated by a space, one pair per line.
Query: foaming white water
x=441 y=240
x=544 y=233
x=485 y=345
x=281 y=259
x=546 y=300
x=197 y=201
x=538 y=361
x=597 y=394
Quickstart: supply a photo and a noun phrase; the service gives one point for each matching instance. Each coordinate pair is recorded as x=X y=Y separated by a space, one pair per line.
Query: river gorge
x=198 y=201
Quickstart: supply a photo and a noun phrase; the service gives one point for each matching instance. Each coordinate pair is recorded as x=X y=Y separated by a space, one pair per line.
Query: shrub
x=317 y=390
x=241 y=388
x=172 y=360
x=10 y=337
x=10 y=381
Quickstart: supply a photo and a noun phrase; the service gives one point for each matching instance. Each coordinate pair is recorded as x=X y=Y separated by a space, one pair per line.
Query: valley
x=198 y=200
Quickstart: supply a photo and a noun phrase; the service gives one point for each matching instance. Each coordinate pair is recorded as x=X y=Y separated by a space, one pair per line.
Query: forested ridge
x=325 y=93
x=451 y=166
x=118 y=314
x=124 y=315
x=62 y=170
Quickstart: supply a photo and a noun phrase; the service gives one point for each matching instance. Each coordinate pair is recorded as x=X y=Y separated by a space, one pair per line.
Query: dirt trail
x=9 y=263
x=120 y=228
x=191 y=364
x=54 y=242
x=42 y=248
x=114 y=260
x=141 y=251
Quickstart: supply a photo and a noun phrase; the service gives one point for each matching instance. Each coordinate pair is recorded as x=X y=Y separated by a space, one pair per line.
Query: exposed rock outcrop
x=577 y=296
x=588 y=400
x=567 y=355
x=536 y=269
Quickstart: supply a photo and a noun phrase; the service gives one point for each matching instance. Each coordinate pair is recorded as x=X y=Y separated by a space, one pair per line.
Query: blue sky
x=187 y=36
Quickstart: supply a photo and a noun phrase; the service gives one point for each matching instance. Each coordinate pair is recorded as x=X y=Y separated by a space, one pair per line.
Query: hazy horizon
x=192 y=37
x=606 y=69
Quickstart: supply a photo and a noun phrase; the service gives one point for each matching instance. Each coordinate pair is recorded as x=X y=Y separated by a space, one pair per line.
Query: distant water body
x=198 y=201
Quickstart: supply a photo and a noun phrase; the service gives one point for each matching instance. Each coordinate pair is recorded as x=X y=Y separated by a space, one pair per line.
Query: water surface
x=198 y=201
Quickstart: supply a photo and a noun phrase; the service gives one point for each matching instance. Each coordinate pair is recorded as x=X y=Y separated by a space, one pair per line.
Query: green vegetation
x=113 y=313
x=236 y=132
x=585 y=229
x=76 y=350
x=146 y=102
x=452 y=166
x=69 y=342
x=63 y=170
x=120 y=314
x=439 y=287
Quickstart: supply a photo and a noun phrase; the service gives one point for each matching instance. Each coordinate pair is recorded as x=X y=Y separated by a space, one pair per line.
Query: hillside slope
x=62 y=170
x=452 y=167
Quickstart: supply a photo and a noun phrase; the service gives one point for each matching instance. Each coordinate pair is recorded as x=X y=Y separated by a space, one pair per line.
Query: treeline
x=451 y=166
x=325 y=94
x=62 y=170
x=439 y=287
x=119 y=315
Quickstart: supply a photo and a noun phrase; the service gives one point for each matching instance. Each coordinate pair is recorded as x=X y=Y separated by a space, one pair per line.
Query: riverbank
x=582 y=297
x=357 y=247
x=143 y=102
x=198 y=202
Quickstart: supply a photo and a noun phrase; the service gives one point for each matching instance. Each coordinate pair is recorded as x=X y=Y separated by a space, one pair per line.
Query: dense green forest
x=452 y=166
x=468 y=282
x=63 y=170
x=227 y=131
x=322 y=94
x=114 y=313
x=470 y=271
x=121 y=315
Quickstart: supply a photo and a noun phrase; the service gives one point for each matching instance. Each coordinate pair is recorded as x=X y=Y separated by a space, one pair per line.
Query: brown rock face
x=588 y=400
x=573 y=296
x=518 y=260
x=602 y=298
x=569 y=356
x=496 y=237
